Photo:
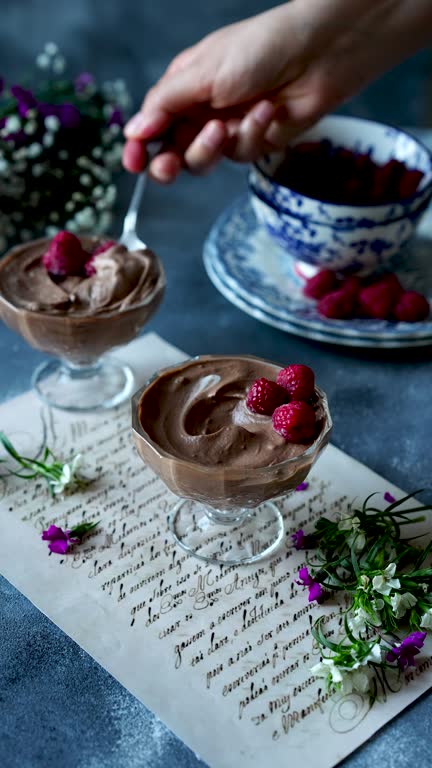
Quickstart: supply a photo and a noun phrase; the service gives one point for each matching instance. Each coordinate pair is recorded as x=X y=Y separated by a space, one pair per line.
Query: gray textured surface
x=58 y=708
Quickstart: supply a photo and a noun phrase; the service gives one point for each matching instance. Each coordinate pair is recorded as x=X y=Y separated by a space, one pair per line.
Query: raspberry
x=351 y=286
x=412 y=306
x=295 y=421
x=65 y=256
x=320 y=284
x=298 y=380
x=392 y=282
x=101 y=248
x=338 y=305
x=264 y=396
x=377 y=300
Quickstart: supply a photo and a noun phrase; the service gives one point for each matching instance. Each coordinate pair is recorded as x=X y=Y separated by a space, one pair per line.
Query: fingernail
x=136 y=125
x=213 y=135
x=263 y=112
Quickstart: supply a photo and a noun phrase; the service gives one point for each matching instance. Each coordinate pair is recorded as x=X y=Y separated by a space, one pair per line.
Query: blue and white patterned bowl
x=347 y=238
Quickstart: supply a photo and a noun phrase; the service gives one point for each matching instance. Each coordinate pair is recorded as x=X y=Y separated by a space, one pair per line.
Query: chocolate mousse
x=193 y=426
x=80 y=316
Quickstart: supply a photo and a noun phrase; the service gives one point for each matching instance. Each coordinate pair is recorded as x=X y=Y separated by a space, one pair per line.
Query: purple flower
x=388 y=497
x=25 y=99
x=409 y=647
x=68 y=114
x=116 y=117
x=302 y=487
x=59 y=540
x=83 y=81
x=298 y=539
x=315 y=588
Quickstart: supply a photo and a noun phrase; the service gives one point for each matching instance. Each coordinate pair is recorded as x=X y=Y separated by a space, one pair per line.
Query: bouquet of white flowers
x=60 y=145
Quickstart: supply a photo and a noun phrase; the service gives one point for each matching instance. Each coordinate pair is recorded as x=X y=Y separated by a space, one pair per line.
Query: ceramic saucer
x=252 y=272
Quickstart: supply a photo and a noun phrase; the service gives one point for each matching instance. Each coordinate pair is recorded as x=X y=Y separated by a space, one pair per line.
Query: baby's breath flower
x=51 y=49
x=34 y=150
x=13 y=124
x=43 y=61
x=52 y=123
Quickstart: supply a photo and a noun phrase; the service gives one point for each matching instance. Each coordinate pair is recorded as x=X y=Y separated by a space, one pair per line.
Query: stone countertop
x=58 y=707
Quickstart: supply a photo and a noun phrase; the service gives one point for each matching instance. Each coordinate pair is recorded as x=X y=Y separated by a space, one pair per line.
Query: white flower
x=63 y=154
x=384 y=582
x=377 y=604
x=51 y=231
x=68 y=475
x=48 y=140
x=374 y=655
x=70 y=206
x=357 y=680
x=52 y=123
x=4 y=165
x=34 y=150
x=364 y=581
x=30 y=128
x=37 y=169
x=402 y=603
x=357 y=540
x=97 y=152
x=13 y=124
x=51 y=49
x=86 y=180
x=426 y=619
x=357 y=622
x=59 y=65
x=43 y=61
x=327 y=667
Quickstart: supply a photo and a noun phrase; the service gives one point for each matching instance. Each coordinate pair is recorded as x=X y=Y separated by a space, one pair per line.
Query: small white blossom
x=51 y=231
x=426 y=619
x=13 y=124
x=48 y=140
x=327 y=667
x=377 y=604
x=357 y=622
x=384 y=582
x=68 y=476
x=52 y=123
x=30 y=128
x=4 y=165
x=51 y=49
x=86 y=180
x=70 y=206
x=59 y=65
x=63 y=154
x=97 y=152
x=54 y=216
x=34 y=150
x=364 y=581
x=78 y=197
x=402 y=603
x=43 y=61
x=37 y=170
x=349 y=523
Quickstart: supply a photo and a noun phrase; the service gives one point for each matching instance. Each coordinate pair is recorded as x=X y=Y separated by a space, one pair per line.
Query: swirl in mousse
x=228 y=435
x=77 y=298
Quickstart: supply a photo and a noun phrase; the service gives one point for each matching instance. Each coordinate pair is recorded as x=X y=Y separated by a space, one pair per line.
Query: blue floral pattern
x=247 y=266
x=339 y=236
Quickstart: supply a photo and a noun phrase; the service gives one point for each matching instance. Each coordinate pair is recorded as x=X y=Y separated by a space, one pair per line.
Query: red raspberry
x=298 y=380
x=338 y=305
x=392 y=282
x=351 y=286
x=65 y=255
x=264 y=396
x=377 y=300
x=320 y=284
x=101 y=248
x=412 y=306
x=295 y=421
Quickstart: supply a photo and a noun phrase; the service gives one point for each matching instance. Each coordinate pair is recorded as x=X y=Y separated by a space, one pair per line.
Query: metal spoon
x=129 y=237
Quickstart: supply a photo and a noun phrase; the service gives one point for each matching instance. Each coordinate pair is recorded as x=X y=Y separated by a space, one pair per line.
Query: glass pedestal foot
x=83 y=388
x=233 y=537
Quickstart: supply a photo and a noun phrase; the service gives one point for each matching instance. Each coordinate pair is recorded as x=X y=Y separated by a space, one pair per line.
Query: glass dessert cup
x=226 y=514
x=81 y=378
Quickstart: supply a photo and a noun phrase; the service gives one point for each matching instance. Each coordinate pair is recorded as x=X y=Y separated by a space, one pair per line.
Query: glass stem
x=226 y=516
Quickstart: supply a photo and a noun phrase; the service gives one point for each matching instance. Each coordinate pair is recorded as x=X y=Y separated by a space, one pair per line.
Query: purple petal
x=414 y=640
x=298 y=539
x=116 y=118
x=60 y=547
x=69 y=115
x=83 y=81
x=53 y=533
x=388 y=497
x=302 y=487
x=315 y=592
x=25 y=99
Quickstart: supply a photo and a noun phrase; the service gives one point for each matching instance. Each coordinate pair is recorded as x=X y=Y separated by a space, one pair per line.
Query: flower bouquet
x=60 y=145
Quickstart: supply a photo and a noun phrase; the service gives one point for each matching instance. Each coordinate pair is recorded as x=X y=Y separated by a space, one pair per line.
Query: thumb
x=176 y=92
